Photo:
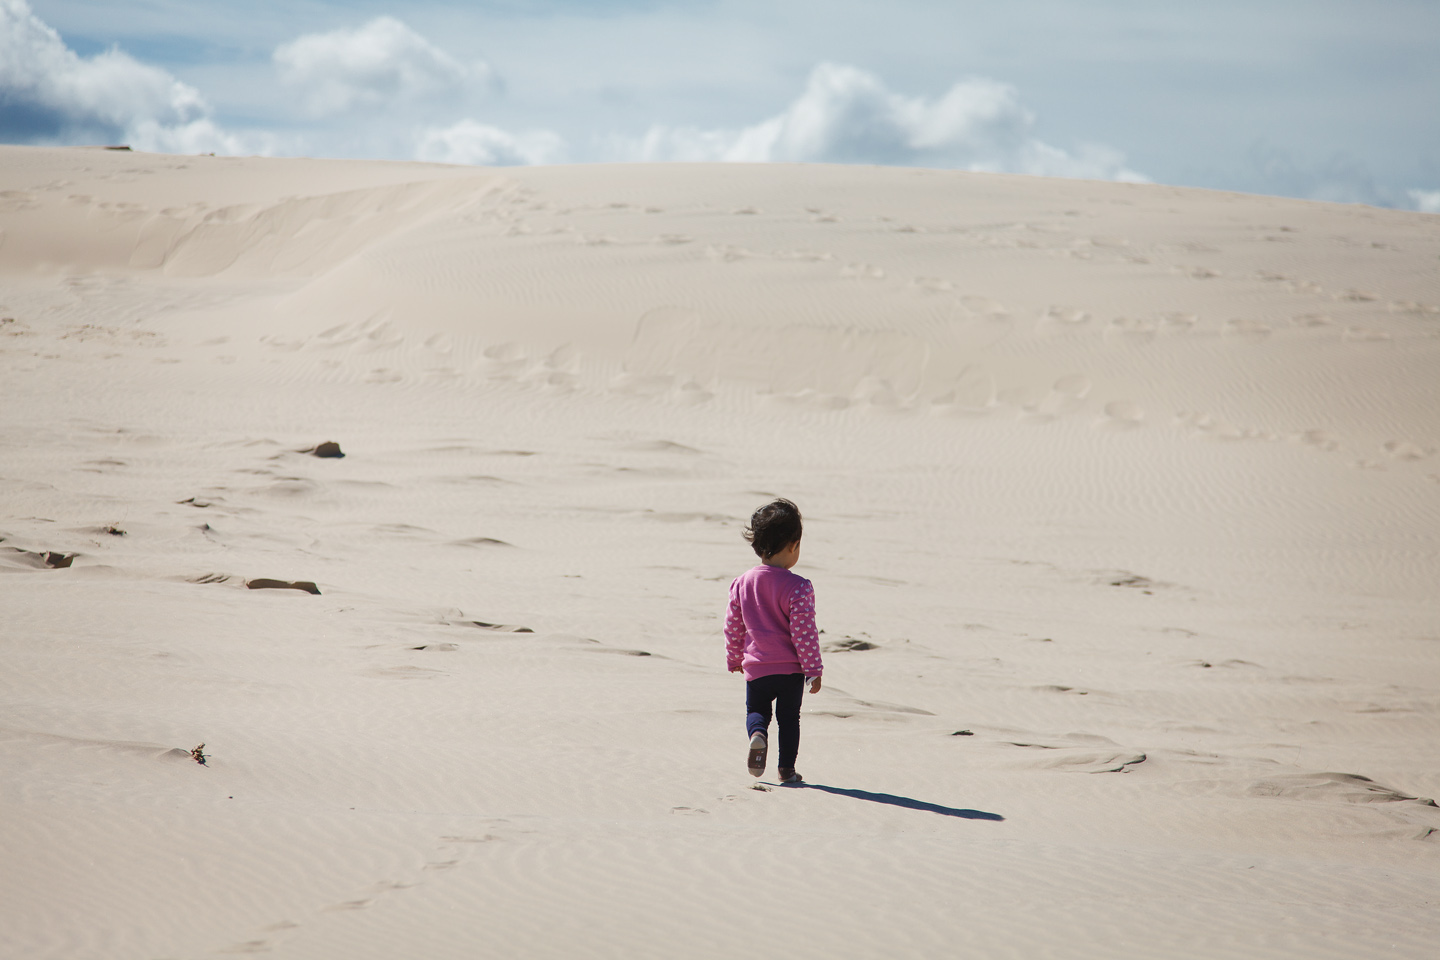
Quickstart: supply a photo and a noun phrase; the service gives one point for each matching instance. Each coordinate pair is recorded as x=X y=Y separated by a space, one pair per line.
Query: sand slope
x=1123 y=512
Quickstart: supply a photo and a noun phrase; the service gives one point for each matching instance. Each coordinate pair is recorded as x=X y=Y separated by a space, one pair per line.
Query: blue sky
x=1323 y=99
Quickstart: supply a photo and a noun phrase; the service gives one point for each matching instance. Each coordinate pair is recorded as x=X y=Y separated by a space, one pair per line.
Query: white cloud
x=50 y=94
x=1426 y=201
x=477 y=143
x=1339 y=178
x=847 y=115
x=197 y=136
x=383 y=61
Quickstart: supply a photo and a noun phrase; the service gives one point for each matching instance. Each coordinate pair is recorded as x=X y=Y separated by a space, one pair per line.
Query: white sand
x=1137 y=484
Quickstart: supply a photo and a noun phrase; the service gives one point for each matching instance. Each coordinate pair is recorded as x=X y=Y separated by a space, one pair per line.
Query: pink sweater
x=770 y=626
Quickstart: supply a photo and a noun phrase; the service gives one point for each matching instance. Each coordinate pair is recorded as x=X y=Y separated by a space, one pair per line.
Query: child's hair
x=773 y=528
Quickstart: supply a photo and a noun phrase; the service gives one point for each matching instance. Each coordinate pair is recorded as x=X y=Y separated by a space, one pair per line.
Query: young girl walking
x=770 y=635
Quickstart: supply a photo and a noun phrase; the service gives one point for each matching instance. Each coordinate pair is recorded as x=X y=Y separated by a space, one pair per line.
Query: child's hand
x=734 y=669
x=815 y=685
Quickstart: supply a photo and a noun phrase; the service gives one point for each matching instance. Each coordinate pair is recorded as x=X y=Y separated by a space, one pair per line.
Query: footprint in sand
x=1405 y=450
x=862 y=271
x=1121 y=415
x=974 y=394
x=1073 y=388
x=932 y=285
x=1411 y=307
x=726 y=253
x=1245 y=331
x=1365 y=335
x=1213 y=428
x=1176 y=322
x=1318 y=439
x=503 y=361
x=985 y=306
x=1130 y=331
x=1022 y=399
x=1066 y=396
x=1060 y=320
x=12 y=201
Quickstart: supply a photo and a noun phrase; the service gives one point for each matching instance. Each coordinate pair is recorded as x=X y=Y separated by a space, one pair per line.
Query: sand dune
x=1122 y=505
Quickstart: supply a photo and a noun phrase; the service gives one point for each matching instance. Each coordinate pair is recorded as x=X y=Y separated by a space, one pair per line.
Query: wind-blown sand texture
x=1122 y=506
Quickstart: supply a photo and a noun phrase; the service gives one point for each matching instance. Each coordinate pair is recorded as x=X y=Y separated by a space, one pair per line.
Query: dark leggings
x=786 y=689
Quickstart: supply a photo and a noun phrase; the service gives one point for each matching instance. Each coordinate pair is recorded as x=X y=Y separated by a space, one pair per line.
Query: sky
x=1321 y=99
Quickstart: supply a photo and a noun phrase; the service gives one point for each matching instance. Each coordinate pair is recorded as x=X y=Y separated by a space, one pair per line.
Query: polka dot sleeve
x=802 y=629
x=734 y=633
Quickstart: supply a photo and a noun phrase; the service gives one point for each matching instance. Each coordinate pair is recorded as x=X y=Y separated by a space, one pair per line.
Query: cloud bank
x=382 y=62
x=49 y=94
x=1426 y=201
x=469 y=142
x=1337 y=179
x=383 y=90
x=847 y=115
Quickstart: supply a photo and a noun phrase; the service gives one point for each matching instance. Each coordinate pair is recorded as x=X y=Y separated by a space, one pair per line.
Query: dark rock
x=849 y=643
x=262 y=584
x=327 y=449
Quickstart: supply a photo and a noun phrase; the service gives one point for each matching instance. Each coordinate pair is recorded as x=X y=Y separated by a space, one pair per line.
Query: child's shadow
x=906 y=802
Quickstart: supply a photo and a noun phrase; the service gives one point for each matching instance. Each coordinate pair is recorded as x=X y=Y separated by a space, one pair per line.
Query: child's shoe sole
x=759 y=748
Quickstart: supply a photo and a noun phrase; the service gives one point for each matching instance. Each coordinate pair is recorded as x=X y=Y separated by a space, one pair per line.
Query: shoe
x=788 y=775
x=759 y=747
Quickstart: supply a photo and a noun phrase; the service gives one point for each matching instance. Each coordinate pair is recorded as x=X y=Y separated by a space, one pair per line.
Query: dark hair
x=773 y=528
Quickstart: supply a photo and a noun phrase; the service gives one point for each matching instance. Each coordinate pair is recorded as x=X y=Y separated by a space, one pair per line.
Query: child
x=770 y=635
